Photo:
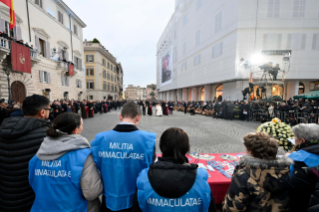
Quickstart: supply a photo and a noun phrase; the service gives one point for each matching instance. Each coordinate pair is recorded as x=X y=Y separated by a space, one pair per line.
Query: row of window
x=90 y=73
x=90 y=59
x=295 y=41
x=60 y=16
x=45 y=77
x=106 y=87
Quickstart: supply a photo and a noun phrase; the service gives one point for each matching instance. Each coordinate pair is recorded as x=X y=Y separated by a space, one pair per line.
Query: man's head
x=131 y=112
x=36 y=106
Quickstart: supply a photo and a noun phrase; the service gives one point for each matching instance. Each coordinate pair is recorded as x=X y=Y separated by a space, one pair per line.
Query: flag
x=71 y=70
x=21 y=59
x=10 y=4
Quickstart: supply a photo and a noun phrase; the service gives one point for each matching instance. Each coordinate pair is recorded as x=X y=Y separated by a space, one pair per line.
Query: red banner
x=71 y=69
x=20 y=56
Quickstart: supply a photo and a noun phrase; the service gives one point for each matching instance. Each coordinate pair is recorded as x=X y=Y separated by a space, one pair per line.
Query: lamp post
x=7 y=71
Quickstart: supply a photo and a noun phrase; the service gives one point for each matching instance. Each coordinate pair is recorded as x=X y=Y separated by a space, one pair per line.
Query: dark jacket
x=301 y=183
x=171 y=180
x=16 y=112
x=20 y=139
x=259 y=185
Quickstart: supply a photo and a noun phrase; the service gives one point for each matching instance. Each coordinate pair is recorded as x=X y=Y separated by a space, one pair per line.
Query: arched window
x=202 y=94
x=219 y=91
x=301 y=88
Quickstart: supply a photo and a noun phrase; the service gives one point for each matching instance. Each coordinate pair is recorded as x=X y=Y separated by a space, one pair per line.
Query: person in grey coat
x=62 y=138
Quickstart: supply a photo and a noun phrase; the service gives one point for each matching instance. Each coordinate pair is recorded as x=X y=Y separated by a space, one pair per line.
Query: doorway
x=18 y=91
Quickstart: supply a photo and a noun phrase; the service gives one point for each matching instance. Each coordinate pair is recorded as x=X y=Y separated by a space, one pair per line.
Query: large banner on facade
x=71 y=70
x=167 y=66
x=21 y=59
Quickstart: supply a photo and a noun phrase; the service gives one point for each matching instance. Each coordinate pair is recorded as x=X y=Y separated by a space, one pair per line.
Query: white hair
x=309 y=132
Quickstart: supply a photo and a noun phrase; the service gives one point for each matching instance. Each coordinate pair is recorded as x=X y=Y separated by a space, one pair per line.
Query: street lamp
x=7 y=71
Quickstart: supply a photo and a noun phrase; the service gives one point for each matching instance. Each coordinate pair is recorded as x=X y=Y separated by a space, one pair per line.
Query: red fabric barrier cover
x=21 y=60
x=71 y=70
x=217 y=181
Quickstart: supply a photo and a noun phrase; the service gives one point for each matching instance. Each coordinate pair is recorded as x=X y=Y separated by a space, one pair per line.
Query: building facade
x=55 y=32
x=131 y=92
x=150 y=90
x=104 y=75
x=213 y=48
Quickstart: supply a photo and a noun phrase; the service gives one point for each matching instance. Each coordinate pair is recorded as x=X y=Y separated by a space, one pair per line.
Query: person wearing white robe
x=159 y=111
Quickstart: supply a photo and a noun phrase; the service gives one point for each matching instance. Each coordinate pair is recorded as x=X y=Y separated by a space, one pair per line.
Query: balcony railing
x=5 y=45
x=63 y=65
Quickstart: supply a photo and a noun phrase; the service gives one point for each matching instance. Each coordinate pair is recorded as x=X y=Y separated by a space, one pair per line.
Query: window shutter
x=67 y=81
x=270 y=8
x=87 y=58
x=80 y=65
x=60 y=53
x=221 y=49
x=315 y=42
x=289 y=42
x=67 y=55
x=276 y=8
x=41 y=76
x=18 y=33
x=80 y=83
x=92 y=58
x=62 y=77
x=49 y=77
x=87 y=72
x=93 y=72
x=48 y=51
x=87 y=85
x=303 y=42
x=93 y=85
x=279 y=41
x=295 y=12
x=2 y=25
x=265 y=41
x=37 y=43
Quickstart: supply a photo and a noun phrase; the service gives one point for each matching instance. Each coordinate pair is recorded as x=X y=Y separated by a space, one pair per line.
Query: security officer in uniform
x=120 y=155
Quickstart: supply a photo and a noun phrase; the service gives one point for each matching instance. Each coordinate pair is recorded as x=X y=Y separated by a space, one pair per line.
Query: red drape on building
x=71 y=70
x=21 y=59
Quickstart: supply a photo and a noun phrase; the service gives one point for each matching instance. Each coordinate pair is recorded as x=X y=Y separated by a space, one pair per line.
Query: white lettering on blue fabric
x=121 y=155
x=174 y=202
x=51 y=163
x=52 y=173
x=121 y=146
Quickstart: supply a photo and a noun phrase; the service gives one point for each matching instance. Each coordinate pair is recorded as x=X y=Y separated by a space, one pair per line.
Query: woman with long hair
x=172 y=184
x=63 y=174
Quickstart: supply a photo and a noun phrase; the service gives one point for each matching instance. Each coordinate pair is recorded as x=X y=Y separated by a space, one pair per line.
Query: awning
x=308 y=95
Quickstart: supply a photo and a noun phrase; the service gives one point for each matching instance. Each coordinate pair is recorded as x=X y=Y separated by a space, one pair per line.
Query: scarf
x=306 y=144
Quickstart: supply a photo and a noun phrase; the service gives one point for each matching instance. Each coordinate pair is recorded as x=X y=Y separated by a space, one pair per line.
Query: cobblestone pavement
x=207 y=135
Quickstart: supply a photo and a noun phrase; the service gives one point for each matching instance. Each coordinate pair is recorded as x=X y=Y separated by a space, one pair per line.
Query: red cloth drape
x=21 y=59
x=71 y=70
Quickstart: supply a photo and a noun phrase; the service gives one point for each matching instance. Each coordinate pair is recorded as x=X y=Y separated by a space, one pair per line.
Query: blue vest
x=120 y=157
x=311 y=160
x=197 y=199
x=57 y=183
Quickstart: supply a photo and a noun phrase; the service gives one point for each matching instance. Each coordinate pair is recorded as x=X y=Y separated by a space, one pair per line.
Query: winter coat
x=17 y=112
x=302 y=183
x=20 y=139
x=91 y=181
x=171 y=180
x=259 y=185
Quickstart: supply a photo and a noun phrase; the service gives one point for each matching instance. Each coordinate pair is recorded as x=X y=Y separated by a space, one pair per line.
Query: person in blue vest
x=172 y=184
x=120 y=155
x=302 y=186
x=63 y=174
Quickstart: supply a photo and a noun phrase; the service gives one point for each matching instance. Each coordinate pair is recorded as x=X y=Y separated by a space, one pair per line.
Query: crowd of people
x=49 y=166
x=87 y=109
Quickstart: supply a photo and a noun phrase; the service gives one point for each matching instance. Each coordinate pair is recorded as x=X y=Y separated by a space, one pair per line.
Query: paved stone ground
x=207 y=135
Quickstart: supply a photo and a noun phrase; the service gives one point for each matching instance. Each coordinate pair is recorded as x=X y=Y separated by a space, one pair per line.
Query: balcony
x=5 y=50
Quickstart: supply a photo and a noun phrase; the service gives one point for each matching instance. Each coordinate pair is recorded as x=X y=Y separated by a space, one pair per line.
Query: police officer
x=172 y=184
x=120 y=155
x=62 y=173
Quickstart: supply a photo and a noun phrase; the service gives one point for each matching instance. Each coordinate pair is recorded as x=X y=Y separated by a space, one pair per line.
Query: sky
x=129 y=29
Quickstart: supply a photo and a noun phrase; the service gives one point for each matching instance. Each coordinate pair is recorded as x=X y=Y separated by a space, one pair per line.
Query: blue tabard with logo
x=310 y=159
x=120 y=157
x=57 y=183
x=197 y=199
